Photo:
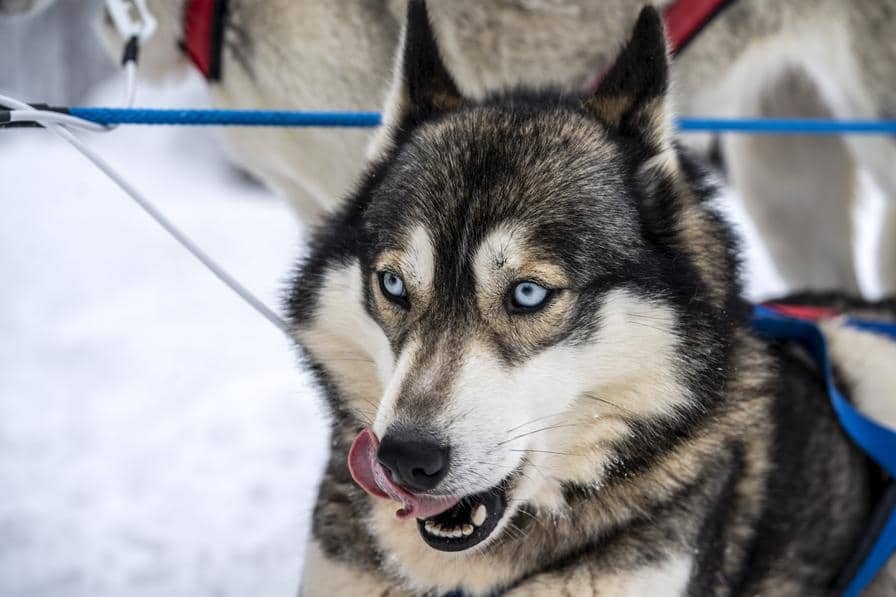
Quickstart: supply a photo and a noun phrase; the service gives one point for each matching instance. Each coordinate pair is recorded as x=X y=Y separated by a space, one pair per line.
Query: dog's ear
x=422 y=86
x=632 y=97
x=427 y=85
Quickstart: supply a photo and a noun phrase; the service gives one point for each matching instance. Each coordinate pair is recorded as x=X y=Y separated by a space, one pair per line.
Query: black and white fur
x=643 y=439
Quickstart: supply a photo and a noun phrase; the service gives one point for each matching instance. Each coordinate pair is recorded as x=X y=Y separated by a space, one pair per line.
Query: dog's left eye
x=528 y=296
x=393 y=287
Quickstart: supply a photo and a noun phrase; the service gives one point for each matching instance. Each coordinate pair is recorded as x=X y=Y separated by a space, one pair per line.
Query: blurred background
x=157 y=437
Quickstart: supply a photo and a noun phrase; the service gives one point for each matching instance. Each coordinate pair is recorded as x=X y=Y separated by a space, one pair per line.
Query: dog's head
x=525 y=294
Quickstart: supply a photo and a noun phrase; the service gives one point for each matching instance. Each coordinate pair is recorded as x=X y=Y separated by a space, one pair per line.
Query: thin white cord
x=45 y=117
x=57 y=123
x=130 y=73
x=171 y=229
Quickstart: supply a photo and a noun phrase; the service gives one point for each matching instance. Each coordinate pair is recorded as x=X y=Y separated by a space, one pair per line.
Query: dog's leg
x=885 y=583
x=878 y=156
x=864 y=83
x=669 y=577
x=324 y=576
x=798 y=189
x=865 y=361
x=887 y=251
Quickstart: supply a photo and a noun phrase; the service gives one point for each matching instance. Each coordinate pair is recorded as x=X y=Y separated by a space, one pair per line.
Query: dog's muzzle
x=375 y=479
x=446 y=523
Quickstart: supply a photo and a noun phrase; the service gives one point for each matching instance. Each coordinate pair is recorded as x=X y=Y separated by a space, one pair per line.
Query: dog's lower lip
x=466 y=524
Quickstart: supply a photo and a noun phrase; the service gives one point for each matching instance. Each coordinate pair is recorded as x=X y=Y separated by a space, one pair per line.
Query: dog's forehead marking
x=415 y=258
x=420 y=256
x=502 y=247
x=512 y=247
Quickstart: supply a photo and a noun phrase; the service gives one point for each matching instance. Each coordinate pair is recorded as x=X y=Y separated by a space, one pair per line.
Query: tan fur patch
x=326 y=576
x=347 y=342
x=669 y=577
x=611 y=109
x=505 y=257
x=415 y=264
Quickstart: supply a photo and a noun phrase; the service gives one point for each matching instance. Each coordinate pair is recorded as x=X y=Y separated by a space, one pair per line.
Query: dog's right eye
x=393 y=288
x=527 y=296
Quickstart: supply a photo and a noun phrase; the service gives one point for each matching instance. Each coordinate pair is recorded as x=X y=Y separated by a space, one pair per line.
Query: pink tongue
x=373 y=478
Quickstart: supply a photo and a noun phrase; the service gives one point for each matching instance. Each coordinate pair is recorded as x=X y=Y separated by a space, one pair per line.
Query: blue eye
x=528 y=296
x=393 y=286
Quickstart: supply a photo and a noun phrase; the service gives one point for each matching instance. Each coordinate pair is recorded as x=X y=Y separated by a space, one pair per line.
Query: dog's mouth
x=446 y=523
x=470 y=522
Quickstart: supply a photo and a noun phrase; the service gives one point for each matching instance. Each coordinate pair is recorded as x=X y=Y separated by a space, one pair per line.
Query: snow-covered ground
x=156 y=435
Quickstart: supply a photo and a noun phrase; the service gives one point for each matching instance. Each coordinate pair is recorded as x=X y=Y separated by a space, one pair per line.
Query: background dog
x=528 y=324
x=757 y=58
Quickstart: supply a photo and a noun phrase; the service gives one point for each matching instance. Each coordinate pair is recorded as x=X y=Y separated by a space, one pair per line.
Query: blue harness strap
x=877 y=441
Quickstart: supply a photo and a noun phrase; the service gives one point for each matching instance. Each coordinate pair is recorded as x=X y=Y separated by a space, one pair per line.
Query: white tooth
x=467 y=529
x=478 y=516
x=429 y=526
x=457 y=533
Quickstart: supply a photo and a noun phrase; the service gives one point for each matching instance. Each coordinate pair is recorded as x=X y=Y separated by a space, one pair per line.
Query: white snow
x=156 y=435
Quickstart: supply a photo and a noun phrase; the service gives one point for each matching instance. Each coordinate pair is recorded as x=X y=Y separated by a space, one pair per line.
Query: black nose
x=414 y=461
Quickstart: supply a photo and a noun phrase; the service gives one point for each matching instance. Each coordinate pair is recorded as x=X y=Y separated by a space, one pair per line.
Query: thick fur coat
x=629 y=432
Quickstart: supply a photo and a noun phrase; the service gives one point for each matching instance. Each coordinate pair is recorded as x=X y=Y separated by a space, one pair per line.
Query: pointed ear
x=632 y=95
x=421 y=86
x=428 y=86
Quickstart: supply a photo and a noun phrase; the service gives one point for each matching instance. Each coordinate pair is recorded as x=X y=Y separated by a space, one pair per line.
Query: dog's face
x=524 y=299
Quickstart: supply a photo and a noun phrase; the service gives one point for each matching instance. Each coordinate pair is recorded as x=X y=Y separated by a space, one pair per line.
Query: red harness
x=686 y=18
x=203 y=35
x=804 y=312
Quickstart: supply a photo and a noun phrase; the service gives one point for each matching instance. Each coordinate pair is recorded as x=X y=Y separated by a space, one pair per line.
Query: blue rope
x=289 y=118
x=279 y=118
x=780 y=126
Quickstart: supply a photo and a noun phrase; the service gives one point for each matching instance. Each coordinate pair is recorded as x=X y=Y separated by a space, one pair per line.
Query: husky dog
x=527 y=322
x=821 y=58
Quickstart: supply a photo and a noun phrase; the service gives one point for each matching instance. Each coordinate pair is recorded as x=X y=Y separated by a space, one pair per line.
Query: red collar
x=686 y=18
x=203 y=35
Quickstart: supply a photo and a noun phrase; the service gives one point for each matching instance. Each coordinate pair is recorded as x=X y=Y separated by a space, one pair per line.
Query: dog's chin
x=470 y=523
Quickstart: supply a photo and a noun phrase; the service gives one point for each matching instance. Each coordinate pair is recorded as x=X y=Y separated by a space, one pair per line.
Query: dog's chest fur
x=746 y=505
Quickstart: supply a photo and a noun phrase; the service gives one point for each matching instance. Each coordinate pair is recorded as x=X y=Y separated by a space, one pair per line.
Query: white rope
x=59 y=125
x=22 y=112
x=171 y=229
x=130 y=73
